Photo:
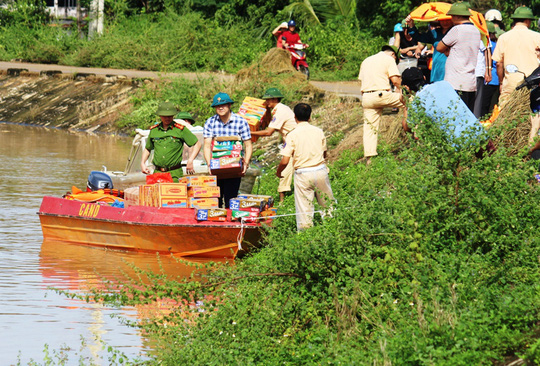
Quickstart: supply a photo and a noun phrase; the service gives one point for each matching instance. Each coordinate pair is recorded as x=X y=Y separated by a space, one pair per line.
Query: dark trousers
x=478 y=98
x=468 y=98
x=490 y=97
x=228 y=188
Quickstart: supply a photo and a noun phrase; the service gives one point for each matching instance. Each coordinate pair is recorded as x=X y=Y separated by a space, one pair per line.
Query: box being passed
x=227 y=167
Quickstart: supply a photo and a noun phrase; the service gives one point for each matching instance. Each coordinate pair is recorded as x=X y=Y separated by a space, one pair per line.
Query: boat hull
x=144 y=229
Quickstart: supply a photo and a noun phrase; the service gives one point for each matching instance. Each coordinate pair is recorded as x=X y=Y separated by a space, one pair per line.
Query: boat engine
x=98 y=180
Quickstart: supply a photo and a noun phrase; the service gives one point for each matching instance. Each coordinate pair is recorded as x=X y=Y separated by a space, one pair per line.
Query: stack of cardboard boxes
x=190 y=192
x=227 y=157
x=249 y=206
x=252 y=109
x=203 y=191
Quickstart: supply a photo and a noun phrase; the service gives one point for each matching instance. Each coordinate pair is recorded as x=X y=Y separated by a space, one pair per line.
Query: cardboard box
x=256 y=101
x=173 y=202
x=227 y=145
x=227 y=154
x=266 y=198
x=213 y=214
x=237 y=215
x=203 y=202
x=203 y=192
x=199 y=180
x=170 y=190
x=242 y=203
x=146 y=194
x=131 y=196
x=227 y=167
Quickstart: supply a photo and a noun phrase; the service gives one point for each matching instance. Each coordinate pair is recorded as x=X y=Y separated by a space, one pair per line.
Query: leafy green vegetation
x=431 y=257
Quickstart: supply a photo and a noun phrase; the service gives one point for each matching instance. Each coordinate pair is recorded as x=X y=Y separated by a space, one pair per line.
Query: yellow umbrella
x=430 y=12
x=478 y=19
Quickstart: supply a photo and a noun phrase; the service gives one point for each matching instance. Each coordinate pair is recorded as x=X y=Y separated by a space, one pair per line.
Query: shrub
x=431 y=257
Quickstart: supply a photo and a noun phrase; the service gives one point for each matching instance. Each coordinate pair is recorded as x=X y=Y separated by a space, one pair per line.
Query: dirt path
x=341 y=88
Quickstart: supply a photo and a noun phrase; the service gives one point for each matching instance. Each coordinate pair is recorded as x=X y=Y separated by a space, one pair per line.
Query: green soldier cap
x=491 y=27
x=186 y=116
x=523 y=12
x=393 y=49
x=220 y=99
x=272 y=93
x=460 y=9
x=166 y=109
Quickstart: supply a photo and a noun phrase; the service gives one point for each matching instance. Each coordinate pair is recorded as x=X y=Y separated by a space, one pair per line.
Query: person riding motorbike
x=291 y=41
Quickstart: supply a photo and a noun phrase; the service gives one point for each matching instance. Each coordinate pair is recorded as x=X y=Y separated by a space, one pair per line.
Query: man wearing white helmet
x=495 y=16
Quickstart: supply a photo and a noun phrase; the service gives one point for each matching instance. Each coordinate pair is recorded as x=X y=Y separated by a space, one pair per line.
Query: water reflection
x=79 y=269
x=37 y=162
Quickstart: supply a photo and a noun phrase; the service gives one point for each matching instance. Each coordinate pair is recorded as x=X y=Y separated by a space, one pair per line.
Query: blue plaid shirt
x=237 y=126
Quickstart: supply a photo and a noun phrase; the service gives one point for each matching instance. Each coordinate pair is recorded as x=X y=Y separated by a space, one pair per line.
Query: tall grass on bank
x=431 y=257
x=189 y=42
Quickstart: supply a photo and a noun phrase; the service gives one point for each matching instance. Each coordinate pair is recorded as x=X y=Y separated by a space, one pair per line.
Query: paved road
x=342 y=88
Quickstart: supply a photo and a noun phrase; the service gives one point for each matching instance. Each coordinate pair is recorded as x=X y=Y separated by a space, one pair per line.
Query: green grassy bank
x=431 y=258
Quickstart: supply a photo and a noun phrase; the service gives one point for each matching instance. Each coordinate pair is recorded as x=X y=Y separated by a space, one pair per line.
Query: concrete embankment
x=68 y=97
x=70 y=101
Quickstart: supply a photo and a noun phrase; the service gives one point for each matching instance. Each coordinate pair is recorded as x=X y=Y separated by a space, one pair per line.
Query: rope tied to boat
x=243 y=221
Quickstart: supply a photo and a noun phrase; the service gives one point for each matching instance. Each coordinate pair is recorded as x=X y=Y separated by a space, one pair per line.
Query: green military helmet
x=393 y=49
x=272 y=93
x=491 y=27
x=186 y=116
x=460 y=8
x=523 y=12
x=220 y=99
x=166 y=109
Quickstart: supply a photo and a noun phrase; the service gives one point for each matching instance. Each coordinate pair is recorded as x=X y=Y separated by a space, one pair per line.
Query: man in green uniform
x=167 y=140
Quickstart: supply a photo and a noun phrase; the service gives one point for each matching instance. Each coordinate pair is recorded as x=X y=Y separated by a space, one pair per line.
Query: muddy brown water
x=36 y=162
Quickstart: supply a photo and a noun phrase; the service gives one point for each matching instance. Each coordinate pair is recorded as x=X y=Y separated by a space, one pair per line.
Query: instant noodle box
x=227 y=145
x=146 y=194
x=237 y=215
x=243 y=203
x=173 y=202
x=203 y=202
x=227 y=167
x=212 y=214
x=227 y=154
x=170 y=189
x=203 y=192
x=199 y=180
x=266 y=198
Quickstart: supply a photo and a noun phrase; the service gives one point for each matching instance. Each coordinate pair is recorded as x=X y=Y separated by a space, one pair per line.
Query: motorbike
x=531 y=82
x=298 y=57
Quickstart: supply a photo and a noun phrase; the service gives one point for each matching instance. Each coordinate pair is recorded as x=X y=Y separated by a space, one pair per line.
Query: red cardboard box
x=203 y=192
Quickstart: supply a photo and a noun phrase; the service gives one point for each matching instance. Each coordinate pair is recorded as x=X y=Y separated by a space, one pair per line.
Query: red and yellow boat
x=144 y=229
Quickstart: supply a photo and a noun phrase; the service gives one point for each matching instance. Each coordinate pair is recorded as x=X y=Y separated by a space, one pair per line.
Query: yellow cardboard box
x=203 y=202
x=199 y=180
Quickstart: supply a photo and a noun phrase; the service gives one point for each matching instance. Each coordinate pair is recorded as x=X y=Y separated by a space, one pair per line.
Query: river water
x=36 y=162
